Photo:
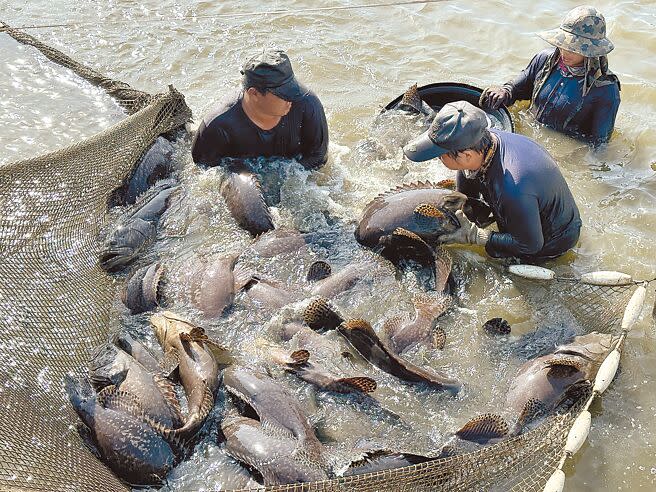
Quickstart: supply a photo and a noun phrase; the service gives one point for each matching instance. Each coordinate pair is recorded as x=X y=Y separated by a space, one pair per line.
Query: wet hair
x=481 y=146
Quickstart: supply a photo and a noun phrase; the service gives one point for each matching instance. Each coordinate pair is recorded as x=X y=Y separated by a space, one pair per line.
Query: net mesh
x=55 y=302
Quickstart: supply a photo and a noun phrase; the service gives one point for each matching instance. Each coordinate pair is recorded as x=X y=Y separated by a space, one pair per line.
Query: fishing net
x=55 y=303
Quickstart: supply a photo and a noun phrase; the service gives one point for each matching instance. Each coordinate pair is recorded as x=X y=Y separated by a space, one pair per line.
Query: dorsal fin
x=411 y=99
x=112 y=398
x=431 y=306
x=449 y=184
x=360 y=384
x=300 y=357
x=318 y=271
x=167 y=388
x=483 y=428
x=419 y=185
x=321 y=315
x=563 y=367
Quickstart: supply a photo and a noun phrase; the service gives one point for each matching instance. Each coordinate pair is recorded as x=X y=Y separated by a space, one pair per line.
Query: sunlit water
x=357 y=61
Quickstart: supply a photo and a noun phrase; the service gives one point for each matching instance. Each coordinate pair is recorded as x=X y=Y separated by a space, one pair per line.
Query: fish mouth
x=115 y=259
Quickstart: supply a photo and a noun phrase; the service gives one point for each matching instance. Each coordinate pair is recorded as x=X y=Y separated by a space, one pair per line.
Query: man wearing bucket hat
x=530 y=201
x=271 y=115
x=570 y=86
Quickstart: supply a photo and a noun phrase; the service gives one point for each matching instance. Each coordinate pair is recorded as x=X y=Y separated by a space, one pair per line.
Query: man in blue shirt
x=530 y=201
x=570 y=87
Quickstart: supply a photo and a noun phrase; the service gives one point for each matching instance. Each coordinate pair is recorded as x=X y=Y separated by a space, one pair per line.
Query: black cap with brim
x=290 y=91
x=423 y=148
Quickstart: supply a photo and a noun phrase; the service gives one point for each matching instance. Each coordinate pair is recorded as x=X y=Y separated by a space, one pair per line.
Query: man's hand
x=494 y=97
x=469 y=233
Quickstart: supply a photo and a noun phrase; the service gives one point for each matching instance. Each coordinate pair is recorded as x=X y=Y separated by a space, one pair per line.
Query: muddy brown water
x=356 y=61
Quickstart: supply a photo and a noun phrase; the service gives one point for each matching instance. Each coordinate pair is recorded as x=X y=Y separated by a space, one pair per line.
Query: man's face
x=571 y=59
x=270 y=104
x=463 y=160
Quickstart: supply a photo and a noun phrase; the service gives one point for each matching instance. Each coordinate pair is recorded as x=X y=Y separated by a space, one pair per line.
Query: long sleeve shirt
x=530 y=200
x=228 y=132
x=560 y=103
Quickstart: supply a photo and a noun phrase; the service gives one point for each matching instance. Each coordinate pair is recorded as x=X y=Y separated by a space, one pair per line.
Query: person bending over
x=529 y=199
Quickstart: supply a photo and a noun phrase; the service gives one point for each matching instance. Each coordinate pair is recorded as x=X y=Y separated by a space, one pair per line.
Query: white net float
x=634 y=307
x=533 y=272
x=607 y=372
x=578 y=433
x=604 y=277
x=556 y=482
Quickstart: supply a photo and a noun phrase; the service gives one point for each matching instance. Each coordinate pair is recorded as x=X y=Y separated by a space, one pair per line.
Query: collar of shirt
x=489 y=155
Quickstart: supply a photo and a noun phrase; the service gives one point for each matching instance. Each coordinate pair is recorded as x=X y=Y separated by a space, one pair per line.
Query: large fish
x=243 y=195
x=425 y=209
x=123 y=440
x=275 y=407
x=137 y=229
x=541 y=386
x=215 y=283
x=364 y=339
x=299 y=364
x=320 y=314
x=198 y=368
x=275 y=455
x=109 y=365
x=156 y=164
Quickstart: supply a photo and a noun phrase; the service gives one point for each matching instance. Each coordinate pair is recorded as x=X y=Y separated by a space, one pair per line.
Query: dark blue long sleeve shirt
x=228 y=132
x=560 y=103
x=530 y=201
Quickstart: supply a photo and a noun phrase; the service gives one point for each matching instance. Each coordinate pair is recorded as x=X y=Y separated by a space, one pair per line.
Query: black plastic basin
x=440 y=93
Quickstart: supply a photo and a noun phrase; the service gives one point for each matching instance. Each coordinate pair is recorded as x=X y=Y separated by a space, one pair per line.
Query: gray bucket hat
x=271 y=69
x=582 y=31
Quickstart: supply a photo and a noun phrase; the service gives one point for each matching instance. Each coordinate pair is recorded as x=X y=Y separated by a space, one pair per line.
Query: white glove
x=468 y=233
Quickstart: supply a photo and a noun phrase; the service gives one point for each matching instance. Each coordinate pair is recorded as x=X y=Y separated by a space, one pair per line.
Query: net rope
x=55 y=303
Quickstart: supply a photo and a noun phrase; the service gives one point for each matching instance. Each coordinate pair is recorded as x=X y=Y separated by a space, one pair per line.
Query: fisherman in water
x=529 y=199
x=272 y=115
x=570 y=87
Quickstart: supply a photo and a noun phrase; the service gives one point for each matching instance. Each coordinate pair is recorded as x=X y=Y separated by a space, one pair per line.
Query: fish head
x=125 y=243
x=450 y=203
x=168 y=327
x=108 y=365
x=592 y=347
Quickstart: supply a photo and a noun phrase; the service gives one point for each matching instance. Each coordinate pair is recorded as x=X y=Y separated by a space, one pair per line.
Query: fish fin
x=428 y=211
x=562 y=367
x=497 y=326
x=318 y=271
x=300 y=357
x=87 y=439
x=113 y=398
x=439 y=338
x=293 y=360
x=167 y=389
x=361 y=384
x=243 y=276
x=431 y=306
x=443 y=265
x=418 y=185
x=403 y=244
x=392 y=325
x=321 y=315
x=449 y=184
x=411 y=100
x=533 y=408
x=196 y=419
x=483 y=428
x=358 y=324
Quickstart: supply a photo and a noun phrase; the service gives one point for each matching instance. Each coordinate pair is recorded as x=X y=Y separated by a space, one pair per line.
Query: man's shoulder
x=224 y=109
x=310 y=100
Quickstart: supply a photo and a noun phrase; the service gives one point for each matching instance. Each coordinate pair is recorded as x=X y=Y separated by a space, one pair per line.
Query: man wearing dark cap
x=529 y=199
x=271 y=115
